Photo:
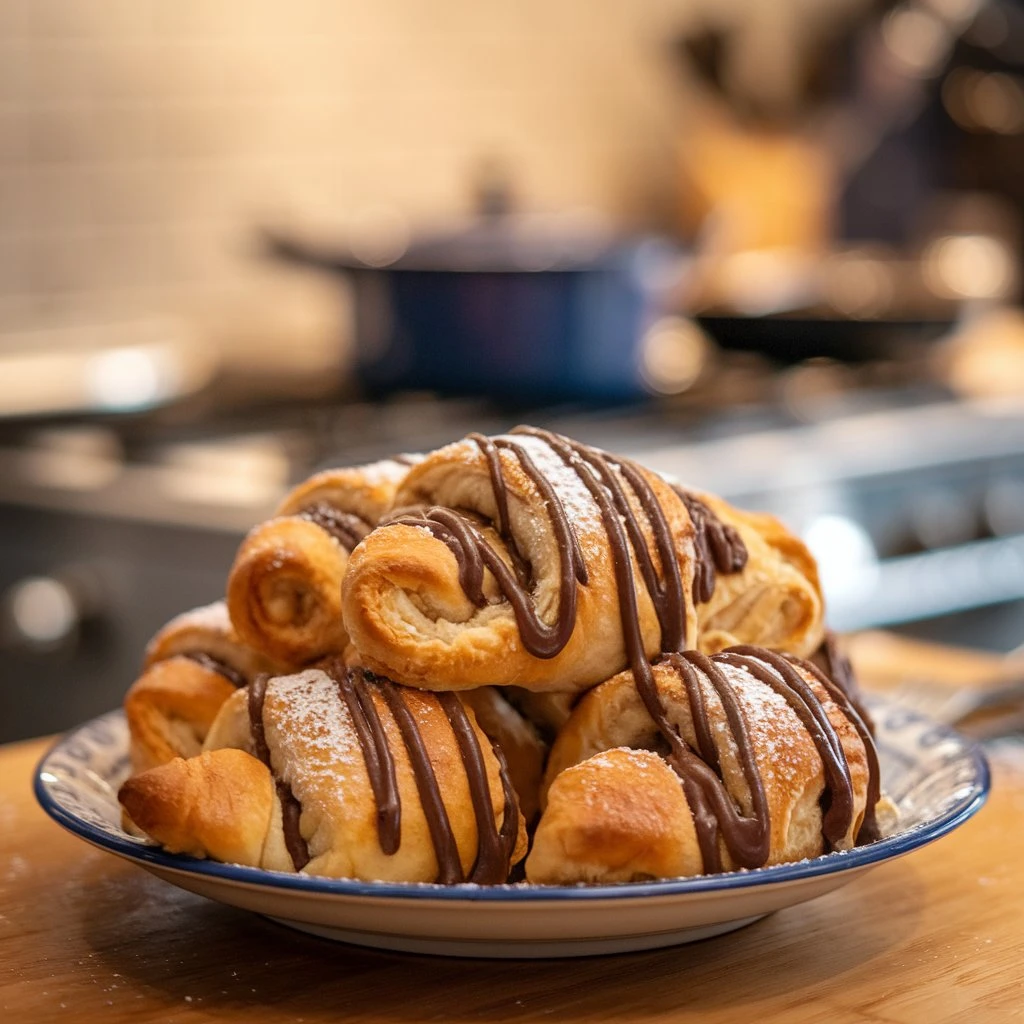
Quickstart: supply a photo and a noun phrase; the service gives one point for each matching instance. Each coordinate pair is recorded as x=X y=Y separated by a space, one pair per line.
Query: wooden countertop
x=936 y=936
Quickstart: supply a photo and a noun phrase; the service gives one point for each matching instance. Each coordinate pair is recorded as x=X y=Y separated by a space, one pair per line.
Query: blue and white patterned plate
x=936 y=778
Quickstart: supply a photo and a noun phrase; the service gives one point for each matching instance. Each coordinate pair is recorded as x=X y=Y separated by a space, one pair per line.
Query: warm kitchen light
x=674 y=353
x=969 y=266
x=131 y=378
x=985 y=101
x=42 y=610
x=916 y=38
x=857 y=285
x=846 y=555
x=378 y=235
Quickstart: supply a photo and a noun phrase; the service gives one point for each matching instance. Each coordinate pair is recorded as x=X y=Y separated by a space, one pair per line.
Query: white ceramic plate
x=937 y=778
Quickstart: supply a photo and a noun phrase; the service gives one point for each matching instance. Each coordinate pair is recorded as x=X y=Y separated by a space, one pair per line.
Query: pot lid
x=501 y=243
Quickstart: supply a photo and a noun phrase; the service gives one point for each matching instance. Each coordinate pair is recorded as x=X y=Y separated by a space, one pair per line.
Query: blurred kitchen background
x=774 y=249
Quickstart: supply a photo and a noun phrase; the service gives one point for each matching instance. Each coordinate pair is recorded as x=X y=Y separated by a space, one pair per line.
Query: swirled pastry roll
x=348 y=777
x=526 y=559
x=284 y=589
x=771 y=764
x=170 y=709
x=192 y=666
x=769 y=595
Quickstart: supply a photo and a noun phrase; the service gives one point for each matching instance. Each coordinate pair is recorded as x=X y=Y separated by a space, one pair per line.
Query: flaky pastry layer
x=409 y=616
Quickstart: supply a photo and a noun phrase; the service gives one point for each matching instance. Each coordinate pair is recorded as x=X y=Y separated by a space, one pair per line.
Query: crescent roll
x=770 y=762
x=348 y=777
x=773 y=599
x=192 y=666
x=284 y=589
x=619 y=816
x=422 y=658
x=525 y=559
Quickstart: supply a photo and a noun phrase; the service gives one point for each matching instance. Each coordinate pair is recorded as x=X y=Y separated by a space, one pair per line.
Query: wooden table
x=936 y=936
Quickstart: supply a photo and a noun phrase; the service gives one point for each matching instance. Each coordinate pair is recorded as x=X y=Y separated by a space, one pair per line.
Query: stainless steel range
x=914 y=507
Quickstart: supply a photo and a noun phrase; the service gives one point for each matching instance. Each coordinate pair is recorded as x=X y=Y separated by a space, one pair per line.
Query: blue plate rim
x=860 y=857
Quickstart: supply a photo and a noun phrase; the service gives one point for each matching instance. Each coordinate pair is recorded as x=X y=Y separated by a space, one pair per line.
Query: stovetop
x=912 y=502
x=880 y=483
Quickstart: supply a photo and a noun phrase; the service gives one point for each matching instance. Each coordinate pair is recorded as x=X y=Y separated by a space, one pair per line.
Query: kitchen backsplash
x=141 y=141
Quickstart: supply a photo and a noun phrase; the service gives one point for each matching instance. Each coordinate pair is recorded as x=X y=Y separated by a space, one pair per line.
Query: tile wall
x=143 y=141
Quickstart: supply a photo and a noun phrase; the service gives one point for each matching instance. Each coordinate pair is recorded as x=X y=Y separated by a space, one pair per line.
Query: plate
x=936 y=777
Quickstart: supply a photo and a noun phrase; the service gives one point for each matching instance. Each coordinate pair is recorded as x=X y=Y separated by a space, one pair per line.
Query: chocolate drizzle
x=836 y=666
x=618 y=487
x=596 y=470
x=714 y=813
x=347 y=528
x=716 y=817
x=494 y=847
x=782 y=676
x=719 y=546
x=380 y=765
x=222 y=668
x=449 y=867
x=854 y=711
x=623 y=494
x=746 y=839
x=290 y=808
x=473 y=553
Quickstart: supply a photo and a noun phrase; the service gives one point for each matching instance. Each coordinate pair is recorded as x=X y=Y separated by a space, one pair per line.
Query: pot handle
x=289 y=249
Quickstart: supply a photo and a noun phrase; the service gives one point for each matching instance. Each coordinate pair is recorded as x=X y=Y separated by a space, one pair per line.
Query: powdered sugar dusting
x=212 y=617
x=311 y=726
x=388 y=471
x=777 y=737
x=576 y=499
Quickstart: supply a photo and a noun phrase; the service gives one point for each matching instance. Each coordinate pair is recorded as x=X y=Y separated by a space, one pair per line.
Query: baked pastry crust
x=207 y=630
x=284 y=588
x=519 y=741
x=619 y=816
x=500 y=582
x=774 y=600
x=582 y=833
x=547 y=711
x=410 y=618
x=170 y=709
x=219 y=800
x=221 y=804
x=192 y=665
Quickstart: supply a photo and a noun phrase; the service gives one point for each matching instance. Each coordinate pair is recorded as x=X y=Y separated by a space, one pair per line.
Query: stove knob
x=41 y=613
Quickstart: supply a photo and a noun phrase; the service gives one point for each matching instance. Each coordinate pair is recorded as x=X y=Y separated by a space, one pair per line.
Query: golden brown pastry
x=532 y=561
x=772 y=599
x=521 y=571
x=170 y=708
x=222 y=804
x=517 y=738
x=348 y=777
x=284 y=589
x=192 y=666
x=619 y=816
x=528 y=559
x=758 y=744
x=207 y=631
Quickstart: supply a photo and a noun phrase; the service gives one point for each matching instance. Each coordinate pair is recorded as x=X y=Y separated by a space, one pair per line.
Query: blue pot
x=467 y=314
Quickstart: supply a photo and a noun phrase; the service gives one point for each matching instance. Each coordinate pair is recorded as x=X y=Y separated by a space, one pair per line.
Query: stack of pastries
x=516 y=657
